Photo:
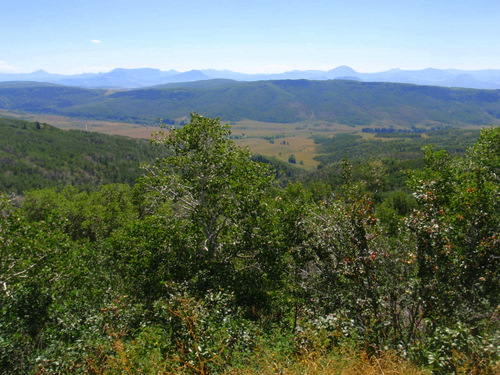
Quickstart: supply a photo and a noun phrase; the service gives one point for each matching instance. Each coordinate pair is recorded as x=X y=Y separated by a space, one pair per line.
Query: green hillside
x=34 y=155
x=401 y=146
x=287 y=101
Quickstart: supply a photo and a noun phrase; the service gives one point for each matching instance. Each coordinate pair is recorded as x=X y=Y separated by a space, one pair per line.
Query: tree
x=209 y=190
x=457 y=229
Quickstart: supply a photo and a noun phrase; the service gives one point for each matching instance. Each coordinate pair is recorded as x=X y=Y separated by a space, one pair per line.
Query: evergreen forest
x=193 y=256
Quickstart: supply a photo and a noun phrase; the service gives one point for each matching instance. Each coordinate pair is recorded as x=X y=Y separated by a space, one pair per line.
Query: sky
x=251 y=36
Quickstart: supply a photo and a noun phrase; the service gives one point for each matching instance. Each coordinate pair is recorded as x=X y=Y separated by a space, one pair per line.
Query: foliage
x=207 y=265
x=457 y=228
x=201 y=190
x=450 y=350
x=30 y=257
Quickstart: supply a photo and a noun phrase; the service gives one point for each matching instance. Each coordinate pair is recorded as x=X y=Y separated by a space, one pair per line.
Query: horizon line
x=239 y=72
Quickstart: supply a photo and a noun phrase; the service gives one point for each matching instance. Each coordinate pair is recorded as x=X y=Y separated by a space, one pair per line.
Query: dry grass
x=344 y=364
x=302 y=147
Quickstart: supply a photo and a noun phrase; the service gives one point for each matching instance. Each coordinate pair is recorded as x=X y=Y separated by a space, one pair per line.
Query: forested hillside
x=287 y=101
x=35 y=155
x=210 y=265
x=401 y=146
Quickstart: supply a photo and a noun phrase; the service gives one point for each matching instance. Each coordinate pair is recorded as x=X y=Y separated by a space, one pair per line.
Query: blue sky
x=252 y=36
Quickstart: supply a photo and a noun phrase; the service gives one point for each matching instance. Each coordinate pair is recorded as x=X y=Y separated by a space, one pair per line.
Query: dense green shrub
x=207 y=264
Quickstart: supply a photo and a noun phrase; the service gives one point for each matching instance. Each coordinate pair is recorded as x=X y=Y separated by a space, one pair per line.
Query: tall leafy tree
x=210 y=194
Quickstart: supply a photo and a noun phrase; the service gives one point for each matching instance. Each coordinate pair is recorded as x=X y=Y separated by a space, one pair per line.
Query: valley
x=278 y=119
x=250 y=188
x=305 y=227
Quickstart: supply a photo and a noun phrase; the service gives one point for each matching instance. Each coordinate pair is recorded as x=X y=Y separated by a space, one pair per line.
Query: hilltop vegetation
x=336 y=102
x=37 y=155
x=210 y=265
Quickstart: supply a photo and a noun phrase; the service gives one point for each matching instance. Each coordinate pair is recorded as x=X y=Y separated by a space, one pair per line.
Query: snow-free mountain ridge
x=144 y=77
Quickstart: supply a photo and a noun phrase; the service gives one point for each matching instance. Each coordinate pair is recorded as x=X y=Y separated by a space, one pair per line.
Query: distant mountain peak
x=343 y=69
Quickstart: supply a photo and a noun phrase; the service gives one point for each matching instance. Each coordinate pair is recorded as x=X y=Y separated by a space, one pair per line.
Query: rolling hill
x=344 y=102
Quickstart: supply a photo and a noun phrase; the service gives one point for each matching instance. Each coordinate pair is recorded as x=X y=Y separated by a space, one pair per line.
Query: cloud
x=4 y=67
x=95 y=41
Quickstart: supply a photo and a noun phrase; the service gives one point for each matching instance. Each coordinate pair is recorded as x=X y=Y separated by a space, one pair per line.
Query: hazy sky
x=252 y=36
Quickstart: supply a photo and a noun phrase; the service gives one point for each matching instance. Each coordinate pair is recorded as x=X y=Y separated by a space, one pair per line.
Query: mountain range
x=144 y=77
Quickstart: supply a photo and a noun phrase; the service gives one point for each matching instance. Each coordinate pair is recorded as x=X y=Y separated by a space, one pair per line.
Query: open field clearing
x=302 y=147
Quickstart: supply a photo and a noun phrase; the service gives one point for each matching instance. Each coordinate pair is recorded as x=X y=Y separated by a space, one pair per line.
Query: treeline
x=35 y=155
x=209 y=265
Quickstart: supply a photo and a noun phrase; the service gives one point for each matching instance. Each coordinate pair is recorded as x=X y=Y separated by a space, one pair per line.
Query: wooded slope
x=286 y=101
